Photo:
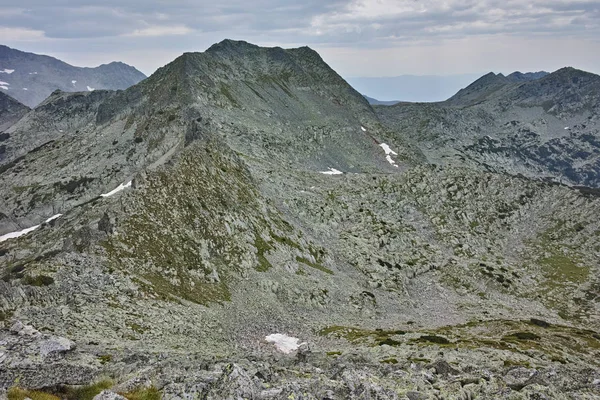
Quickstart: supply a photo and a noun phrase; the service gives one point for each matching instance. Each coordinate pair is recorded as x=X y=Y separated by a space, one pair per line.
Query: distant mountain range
x=30 y=78
x=523 y=124
x=412 y=88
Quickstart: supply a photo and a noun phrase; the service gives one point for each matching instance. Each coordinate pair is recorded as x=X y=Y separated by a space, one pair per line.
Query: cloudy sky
x=356 y=37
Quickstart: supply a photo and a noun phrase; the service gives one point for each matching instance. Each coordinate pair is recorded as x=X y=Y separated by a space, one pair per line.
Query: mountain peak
x=519 y=76
x=230 y=44
x=480 y=89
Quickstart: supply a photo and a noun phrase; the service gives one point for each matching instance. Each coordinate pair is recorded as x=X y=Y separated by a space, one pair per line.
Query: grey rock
x=56 y=345
x=24 y=330
x=108 y=395
x=416 y=396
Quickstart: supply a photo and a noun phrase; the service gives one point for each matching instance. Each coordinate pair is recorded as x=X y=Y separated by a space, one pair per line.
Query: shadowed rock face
x=10 y=112
x=30 y=78
x=402 y=280
x=547 y=128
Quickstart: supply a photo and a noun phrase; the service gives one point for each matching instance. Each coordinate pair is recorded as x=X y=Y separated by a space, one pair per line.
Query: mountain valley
x=243 y=224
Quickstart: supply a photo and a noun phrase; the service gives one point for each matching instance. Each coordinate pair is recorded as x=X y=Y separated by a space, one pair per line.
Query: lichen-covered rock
x=108 y=395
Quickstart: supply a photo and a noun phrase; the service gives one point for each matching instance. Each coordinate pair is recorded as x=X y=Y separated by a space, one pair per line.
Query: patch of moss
x=433 y=339
x=390 y=342
x=105 y=358
x=16 y=393
x=85 y=392
x=5 y=315
x=262 y=247
x=561 y=268
x=38 y=280
x=286 y=241
x=356 y=335
x=224 y=89
x=136 y=328
x=334 y=353
x=314 y=265
x=419 y=360
x=540 y=323
x=389 y=361
x=23 y=189
x=522 y=336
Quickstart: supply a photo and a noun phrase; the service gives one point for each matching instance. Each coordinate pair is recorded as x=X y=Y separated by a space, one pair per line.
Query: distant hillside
x=373 y=101
x=30 y=78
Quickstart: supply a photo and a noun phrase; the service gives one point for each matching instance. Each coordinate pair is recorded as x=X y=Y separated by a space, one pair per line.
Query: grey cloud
x=86 y=18
x=366 y=23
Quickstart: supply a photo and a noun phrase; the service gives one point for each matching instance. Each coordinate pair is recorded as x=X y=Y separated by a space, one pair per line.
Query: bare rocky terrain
x=546 y=128
x=245 y=192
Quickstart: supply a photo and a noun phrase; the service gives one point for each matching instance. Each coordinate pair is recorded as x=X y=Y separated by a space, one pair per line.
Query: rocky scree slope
x=405 y=281
x=545 y=128
x=30 y=78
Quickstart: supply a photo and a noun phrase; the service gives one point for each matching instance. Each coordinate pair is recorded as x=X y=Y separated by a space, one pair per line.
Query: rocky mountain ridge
x=30 y=78
x=545 y=128
x=244 y=192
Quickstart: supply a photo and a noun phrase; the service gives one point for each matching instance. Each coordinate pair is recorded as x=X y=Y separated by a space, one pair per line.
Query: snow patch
x=25 y=88
x=52 y=218
x=7 y=71
x=567 y=128
x=388 y=154
x=119 y=188
x=13 y=235
x=4 y=87
x=74 y=82
x=284 y=343
x=387 y=149
x=33 y=73
x=90 y=89
x=4 y=83
x=363 y=128
x=332 y=171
